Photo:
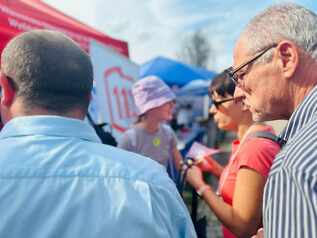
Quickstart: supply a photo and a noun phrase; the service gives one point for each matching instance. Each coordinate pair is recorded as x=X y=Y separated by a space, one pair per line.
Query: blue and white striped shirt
x=290 y=195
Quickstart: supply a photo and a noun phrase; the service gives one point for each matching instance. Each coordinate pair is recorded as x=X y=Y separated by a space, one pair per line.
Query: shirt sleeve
x=150 y=210
x=258 y=154
x=170 y=214
x=290 y=200
x=171 y=135
x=146 y=209
x=174 y=138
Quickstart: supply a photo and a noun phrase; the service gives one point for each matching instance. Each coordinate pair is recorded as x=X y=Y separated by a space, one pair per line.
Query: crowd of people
x=58 y=180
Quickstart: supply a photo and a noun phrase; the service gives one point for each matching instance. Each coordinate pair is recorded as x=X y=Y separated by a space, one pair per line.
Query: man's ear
x=288 y=54
x=8 y=92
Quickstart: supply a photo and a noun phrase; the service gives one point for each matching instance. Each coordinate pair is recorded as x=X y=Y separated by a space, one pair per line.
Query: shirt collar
x=303 y=114
x=48 y=125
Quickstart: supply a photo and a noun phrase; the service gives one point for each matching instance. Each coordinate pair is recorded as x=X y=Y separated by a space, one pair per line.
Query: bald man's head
x=48 y=71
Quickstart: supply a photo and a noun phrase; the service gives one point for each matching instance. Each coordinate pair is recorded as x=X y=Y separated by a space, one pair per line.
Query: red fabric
x=21 y=15
x=254 y=153
x=207 y=164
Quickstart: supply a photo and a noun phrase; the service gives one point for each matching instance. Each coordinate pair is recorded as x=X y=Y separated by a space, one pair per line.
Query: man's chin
x=258 y=116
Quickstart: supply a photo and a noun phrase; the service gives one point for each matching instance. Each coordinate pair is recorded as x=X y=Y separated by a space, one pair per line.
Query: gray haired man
x=275 y=64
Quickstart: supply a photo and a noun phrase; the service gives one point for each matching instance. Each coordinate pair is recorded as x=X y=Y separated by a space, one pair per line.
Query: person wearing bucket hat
x=151 y=92
x=151 y=136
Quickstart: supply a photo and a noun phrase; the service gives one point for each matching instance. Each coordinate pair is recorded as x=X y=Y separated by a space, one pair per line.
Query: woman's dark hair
x=139 y=119
x=222 y=85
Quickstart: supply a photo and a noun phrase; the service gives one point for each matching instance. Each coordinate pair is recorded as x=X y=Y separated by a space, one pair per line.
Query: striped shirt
x=290 y=195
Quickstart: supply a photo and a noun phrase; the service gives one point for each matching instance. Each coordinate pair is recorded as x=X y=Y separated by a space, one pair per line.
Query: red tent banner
x=22 y=15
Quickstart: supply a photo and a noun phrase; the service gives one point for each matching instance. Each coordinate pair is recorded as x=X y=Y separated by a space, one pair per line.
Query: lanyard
x=225 y=173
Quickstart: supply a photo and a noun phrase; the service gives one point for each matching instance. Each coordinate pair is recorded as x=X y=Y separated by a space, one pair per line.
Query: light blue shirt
x=58 y=180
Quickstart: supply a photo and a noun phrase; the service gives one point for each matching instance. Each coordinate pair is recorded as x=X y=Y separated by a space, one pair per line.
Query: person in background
x=57 y=179
x=238 y=201
x=185 y=115
x=151 y=136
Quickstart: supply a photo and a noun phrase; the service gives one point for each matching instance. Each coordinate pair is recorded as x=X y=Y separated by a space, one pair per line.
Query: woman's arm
x=243 y=218
x=177 y=157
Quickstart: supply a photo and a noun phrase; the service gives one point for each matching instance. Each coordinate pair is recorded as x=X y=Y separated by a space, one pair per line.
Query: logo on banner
x=119 y=97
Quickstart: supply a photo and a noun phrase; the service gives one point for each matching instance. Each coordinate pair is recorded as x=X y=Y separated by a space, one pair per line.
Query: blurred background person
x=238 y=201
x=151 y=136
x=185 y=115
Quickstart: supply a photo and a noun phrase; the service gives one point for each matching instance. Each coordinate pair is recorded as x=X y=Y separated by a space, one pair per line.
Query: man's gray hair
x=48 y=70
x=280 y=22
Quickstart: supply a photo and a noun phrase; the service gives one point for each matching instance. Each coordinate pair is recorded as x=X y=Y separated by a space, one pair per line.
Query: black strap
x=268 y=135
x=105 y=136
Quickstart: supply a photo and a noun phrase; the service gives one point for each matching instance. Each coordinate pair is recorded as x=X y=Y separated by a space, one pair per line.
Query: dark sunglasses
x=218 y=103
x=232 y=72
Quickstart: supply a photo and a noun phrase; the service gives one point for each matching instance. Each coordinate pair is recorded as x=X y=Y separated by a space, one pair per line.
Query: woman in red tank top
x=238 y=201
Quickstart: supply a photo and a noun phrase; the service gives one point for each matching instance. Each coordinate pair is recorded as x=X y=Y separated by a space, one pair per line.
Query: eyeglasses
x=232 y=72
x=218 y=103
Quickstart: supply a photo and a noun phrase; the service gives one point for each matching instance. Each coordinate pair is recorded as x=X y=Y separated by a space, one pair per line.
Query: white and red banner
x=114 y=76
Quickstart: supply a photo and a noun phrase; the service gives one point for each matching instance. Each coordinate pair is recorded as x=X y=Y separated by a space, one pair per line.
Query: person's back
x=56 y=178
x=59 y=181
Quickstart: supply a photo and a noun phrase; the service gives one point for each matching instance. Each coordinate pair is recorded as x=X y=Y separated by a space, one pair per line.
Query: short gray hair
x=284 y=21
x=48 y=70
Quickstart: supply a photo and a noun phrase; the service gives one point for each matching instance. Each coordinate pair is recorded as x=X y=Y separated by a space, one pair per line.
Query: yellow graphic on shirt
x=156 y=142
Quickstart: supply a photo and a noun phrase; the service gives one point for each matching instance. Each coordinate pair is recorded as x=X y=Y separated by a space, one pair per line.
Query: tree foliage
x=196 y=50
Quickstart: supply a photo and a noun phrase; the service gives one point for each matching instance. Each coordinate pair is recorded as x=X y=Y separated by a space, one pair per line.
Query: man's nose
x=238 y=92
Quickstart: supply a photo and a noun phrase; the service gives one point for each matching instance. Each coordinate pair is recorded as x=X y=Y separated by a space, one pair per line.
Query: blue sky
x=157 y=27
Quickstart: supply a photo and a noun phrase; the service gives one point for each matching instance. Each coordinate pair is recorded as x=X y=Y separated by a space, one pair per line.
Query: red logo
x=119 y=98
